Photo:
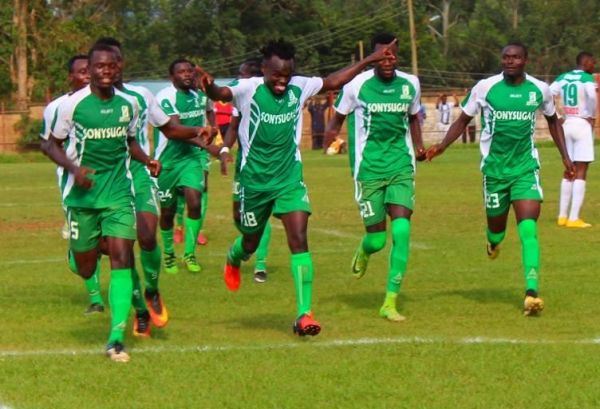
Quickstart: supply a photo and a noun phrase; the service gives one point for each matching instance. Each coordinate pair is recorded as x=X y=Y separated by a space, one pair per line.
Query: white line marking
x=316 y=344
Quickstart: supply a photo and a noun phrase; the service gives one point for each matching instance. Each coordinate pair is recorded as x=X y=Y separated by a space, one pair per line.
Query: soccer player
x=183 y=164
x=577 y=90
x=151 y=305
x=98 y=193
x=78 y=78
x=383 y=104
x=509 y=102
x=248 y=69
x=271 y=178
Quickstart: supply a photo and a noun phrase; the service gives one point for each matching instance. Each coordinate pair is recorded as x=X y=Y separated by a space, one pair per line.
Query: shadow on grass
x=278 y=322
x=368 y=300
x=486 y=296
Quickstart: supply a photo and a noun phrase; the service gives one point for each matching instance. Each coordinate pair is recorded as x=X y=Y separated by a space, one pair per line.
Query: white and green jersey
x=577 y=90
x=270 y=131
x=508 y=116
x=380 y=144
x=100 y=143
x=191 y=107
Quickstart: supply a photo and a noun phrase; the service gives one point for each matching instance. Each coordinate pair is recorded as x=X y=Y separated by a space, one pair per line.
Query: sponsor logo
x=273 y=119
x=385 y=107
x=105 y=133
x=190 y=114
x=514 y=115
x=389 y=91
x=106 y=111
x=515 y=96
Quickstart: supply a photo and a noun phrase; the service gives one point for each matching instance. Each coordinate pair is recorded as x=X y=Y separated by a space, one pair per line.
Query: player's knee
x=374 y=242
x=147 y=242
x=297 y=242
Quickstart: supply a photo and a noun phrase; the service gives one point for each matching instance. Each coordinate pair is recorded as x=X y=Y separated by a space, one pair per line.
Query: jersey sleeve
x=474 y=100
x=235 y=112
x=63 y=121
x=555 y=88
x=242 y=91
x=310 y=86
x=346 y=101
x=132 y=128
x=548 y=107
x=167 y=103
x=592 y=99
x=156 y=116
x=48 y=117
x=415 y=105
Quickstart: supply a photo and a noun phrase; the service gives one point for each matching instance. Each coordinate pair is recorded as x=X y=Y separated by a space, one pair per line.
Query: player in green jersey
x=271 y=180
x=99 y=191
x=183 y=164
x=248 y=69
x=509 y=102
x=150 y=305
x=577 y=89
x=383 y=127
x=78 y=78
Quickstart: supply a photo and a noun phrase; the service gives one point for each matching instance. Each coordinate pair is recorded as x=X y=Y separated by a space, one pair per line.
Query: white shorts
x=442 y=127
x=579 y=139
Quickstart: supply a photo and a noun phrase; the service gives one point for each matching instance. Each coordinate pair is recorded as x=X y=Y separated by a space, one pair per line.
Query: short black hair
x=517 y=43
x=280 y=48
x=111 y=41
x=582 y=55
x=254 y=66
x=73 y=59
x=179 y=61
x=100 y=47
x=382 y=38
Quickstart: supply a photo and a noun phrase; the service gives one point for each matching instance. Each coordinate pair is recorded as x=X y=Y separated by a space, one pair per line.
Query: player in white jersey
x=151 y=305
x=577 y=89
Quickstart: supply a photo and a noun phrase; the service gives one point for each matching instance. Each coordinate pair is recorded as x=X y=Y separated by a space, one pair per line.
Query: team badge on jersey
x=405 y=92
x=532 y=99
x=292 y=99
x=125 y=117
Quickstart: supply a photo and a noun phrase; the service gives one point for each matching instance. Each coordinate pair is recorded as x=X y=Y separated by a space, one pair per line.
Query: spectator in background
x=444 y=109
x=223 y=111
x=422 y=115
x=317 y=123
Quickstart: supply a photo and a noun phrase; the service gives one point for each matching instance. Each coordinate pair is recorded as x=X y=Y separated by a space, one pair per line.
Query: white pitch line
x=336 y=343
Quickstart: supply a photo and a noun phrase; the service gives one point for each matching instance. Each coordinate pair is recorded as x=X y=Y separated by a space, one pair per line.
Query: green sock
x=92 y=285
x=120 y=302
x=495 y=238
x=203 y=207
x=531 y=253
x=373 y=242
x=302 y=273
x=192 y=228
x=236 y=253
x=263 y=248
x=180 y=203
x=390 y=299
x=399 y=254
x=151 y=265
x=137 y=299
x=167 y=238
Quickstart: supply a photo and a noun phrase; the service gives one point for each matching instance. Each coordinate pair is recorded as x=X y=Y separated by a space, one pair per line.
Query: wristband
x=223 y=150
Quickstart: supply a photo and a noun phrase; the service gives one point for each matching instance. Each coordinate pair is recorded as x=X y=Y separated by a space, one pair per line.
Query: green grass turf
x=224 y=350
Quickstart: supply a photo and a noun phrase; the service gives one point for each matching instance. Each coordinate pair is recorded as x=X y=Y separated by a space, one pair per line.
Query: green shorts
x=372 y=196
x=205 y=161
x=256 y=207
x=144 y=187
x=88 y=225
x=500 y=193
x=185 y=174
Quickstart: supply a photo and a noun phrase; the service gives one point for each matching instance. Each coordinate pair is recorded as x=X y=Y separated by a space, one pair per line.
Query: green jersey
x=270 y=131
x=577 y=90
x=508 y=114
x=191 y=107
x=99 y=141
x=380 y=144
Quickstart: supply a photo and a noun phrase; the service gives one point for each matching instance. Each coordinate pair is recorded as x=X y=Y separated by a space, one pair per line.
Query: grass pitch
x=465 y=343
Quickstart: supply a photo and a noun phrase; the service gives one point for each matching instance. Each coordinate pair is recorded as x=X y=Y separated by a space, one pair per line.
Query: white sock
x=566 y=188
x=578 y=195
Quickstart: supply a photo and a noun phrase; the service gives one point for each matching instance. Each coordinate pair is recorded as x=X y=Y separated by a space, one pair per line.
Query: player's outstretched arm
x=228 y=141
x=54 y=150
x=416 y=136
x=456 y=130
x=333 y=129
x=556 y=131
x=208 y=86
x=339 y=78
